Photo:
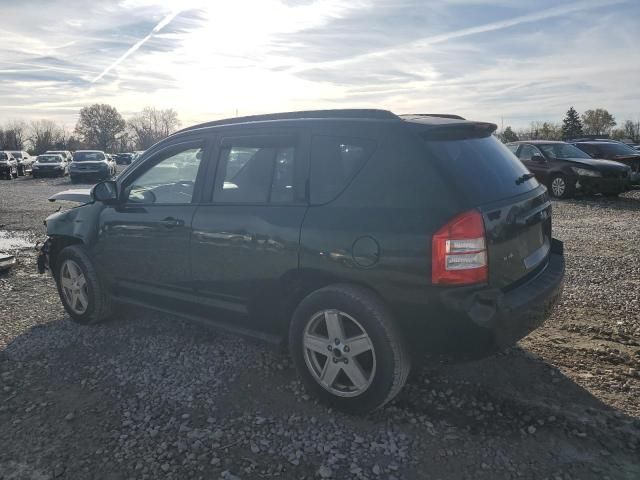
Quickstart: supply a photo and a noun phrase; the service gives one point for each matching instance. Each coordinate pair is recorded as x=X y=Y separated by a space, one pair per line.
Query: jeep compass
x=358 y=238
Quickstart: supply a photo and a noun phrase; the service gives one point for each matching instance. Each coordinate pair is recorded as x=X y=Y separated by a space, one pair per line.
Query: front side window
x=528 y=151
x=170 y=180
x=256 y=174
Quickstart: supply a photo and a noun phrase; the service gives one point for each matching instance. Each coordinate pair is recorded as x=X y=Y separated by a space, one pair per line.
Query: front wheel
x=560 y=186
x=83 y=296
x=347 y=348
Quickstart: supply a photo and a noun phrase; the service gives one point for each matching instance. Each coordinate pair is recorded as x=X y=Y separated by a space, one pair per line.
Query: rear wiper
x=524 y=178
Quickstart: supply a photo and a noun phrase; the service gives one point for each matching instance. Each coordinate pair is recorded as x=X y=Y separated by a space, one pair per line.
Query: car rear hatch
x=489 y=178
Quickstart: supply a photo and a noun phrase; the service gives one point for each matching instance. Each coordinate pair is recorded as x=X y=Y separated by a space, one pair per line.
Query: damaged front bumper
x=43 y=257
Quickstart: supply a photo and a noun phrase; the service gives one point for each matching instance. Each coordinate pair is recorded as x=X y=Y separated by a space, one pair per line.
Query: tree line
x=99 y=126
x=598 y=122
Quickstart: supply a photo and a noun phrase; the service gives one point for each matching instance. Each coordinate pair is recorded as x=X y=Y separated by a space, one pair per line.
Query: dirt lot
x=151 y=396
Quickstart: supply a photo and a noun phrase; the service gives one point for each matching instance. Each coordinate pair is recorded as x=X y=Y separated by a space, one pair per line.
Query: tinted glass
x=255 y=175
x=49 y=159
x=3 y=156
x=513 y=147
x=483 y=168
x=334 y=162
x=562 y=150
x=88 y=156
x=528 y=151
x=17 y=155
x=617 y=149
x=171 y=180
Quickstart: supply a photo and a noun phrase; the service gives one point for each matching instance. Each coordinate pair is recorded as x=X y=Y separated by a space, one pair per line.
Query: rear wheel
x=83 y=296
x=347 y=349
x=560 y=186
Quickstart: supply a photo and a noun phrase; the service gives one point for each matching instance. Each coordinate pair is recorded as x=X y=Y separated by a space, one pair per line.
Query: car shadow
x=623 y=202
x=107 y=372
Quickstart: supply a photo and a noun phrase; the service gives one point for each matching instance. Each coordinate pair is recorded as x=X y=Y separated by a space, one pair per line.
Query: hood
x=80 y=195
x=602 y=164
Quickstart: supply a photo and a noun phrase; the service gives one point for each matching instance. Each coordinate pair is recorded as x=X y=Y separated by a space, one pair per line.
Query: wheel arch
x=303 y=282
x=57 y=244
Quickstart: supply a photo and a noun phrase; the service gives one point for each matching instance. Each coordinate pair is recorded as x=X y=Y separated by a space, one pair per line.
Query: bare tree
x=44 y=135
x=632 y=130
x=598 y=122
x=14 y=136
x=152 y=125
x=99 y=126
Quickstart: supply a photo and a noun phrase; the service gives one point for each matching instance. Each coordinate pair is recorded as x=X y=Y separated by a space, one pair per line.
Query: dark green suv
x=357 y=236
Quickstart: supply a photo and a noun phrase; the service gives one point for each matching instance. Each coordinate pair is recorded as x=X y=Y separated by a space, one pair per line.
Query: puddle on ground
x=11 y=241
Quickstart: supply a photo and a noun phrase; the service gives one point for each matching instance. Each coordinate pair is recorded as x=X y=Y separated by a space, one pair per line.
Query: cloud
x=163 y=23
x=482 y=59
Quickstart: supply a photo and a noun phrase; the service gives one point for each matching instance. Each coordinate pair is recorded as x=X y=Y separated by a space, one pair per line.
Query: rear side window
x=256 y=174
x=483 y=168
x=334 y=162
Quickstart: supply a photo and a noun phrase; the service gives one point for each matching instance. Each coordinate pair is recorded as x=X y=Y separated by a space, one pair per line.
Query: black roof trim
x=349 y=113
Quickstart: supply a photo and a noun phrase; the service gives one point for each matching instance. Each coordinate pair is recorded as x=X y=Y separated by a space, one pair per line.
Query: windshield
x=617 y=149
x=562 y=151
x=88 y=156
x=49 y=159
x=483 y=167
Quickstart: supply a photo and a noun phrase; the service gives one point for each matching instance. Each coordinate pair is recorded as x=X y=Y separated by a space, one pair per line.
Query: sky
x=506 y=61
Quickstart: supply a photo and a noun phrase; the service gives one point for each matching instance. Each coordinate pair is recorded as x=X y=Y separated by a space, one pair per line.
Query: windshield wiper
x=524 y=178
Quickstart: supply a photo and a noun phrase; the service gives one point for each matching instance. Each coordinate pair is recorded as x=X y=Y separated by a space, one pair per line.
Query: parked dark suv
x=566 y=169
x=358 y=236
x=612 y=150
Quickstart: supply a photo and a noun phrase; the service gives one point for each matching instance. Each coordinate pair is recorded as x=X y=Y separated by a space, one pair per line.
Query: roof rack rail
x=361 y=113
x=438 y=115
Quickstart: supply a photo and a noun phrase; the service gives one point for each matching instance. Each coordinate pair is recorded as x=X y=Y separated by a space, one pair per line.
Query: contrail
x=163 y=23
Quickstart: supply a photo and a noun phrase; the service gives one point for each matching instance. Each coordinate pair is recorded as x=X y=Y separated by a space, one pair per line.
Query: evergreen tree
x=509 y=135
x=571 y=125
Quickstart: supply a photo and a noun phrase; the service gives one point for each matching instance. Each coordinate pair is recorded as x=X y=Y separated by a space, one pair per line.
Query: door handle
x=171 y=222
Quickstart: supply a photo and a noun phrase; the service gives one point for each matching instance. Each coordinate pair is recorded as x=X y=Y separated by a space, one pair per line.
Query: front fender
x=80 y=223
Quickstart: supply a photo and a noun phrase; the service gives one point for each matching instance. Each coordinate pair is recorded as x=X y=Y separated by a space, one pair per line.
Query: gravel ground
x=151 y=396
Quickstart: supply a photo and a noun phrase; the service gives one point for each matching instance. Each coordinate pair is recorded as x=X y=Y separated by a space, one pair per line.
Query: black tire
x=392 y=358
x=21 y=172
x=14 y=174
x=569 y=187
x=99 y=306
x=34 y=175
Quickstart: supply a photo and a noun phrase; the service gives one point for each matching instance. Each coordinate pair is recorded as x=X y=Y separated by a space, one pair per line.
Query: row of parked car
x=80 y=165
x=583 y=165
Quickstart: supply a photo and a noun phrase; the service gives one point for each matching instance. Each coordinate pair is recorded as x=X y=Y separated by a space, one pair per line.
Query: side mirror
x=106 y=192
x=537 y=158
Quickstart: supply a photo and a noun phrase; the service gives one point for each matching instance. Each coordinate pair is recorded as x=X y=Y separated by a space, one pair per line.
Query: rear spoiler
x=457 y=130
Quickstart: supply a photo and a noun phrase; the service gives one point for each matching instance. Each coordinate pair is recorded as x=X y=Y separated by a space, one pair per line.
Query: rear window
x=617 y=149
x=483 y=168
x=88 y=156
x=334 y=162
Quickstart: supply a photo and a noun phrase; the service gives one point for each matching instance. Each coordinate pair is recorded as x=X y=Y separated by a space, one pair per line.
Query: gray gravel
x=152 y=396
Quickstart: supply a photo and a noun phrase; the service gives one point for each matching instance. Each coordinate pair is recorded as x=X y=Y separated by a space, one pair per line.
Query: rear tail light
x=459 y=251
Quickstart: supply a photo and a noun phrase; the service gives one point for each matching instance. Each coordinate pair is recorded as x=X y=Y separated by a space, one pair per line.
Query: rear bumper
x=602 y=185
x=89 y=175
x=526 y=307
x=480 y=318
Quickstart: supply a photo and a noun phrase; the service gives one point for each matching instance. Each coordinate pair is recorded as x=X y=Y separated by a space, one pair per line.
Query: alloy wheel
x=339 y=353
x=74 y=287
x=558 y=186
